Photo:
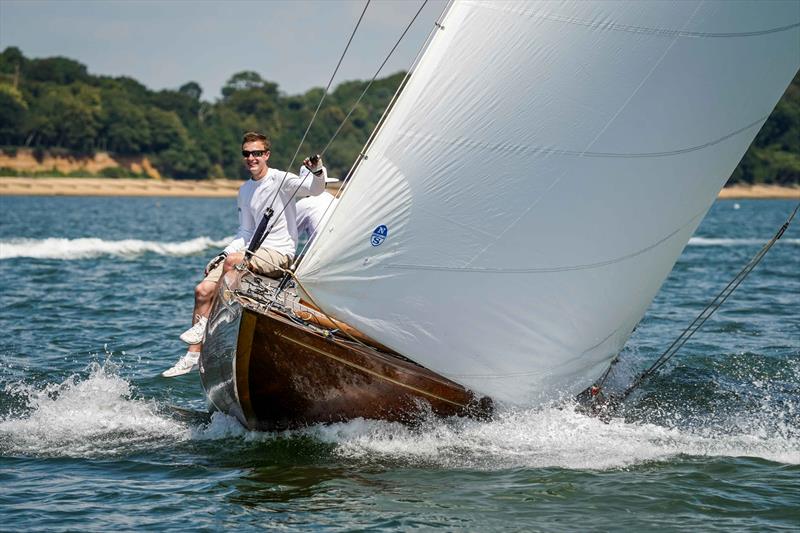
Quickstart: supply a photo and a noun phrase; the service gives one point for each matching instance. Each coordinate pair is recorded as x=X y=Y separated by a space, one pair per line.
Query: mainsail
x=538 y=177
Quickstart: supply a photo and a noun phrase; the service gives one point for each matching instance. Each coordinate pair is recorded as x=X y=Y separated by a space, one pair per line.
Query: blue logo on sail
x=379 y=235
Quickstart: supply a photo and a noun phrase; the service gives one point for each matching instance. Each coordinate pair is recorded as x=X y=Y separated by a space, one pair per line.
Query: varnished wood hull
x=271 y=372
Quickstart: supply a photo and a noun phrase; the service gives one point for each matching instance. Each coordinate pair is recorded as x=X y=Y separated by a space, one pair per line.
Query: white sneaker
x=197 y=333
x=185 y=364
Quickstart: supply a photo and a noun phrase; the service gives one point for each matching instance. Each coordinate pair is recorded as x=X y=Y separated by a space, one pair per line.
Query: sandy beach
x=760 y=191
x=228 y=188
x=118 y=187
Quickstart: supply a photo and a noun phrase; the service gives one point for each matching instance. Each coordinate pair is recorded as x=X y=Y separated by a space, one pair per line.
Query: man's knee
x=231 y=261
x=204 y=291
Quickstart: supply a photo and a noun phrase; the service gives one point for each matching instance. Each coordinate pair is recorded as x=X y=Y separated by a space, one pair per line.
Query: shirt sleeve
x=246 y=226
x=306 y=184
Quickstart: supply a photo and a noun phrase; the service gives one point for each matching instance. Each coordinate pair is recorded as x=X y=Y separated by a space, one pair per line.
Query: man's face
x=255 y=164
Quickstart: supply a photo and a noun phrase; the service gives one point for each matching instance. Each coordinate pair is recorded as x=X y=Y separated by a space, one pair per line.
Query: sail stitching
x=521 y=149
x=593 y=141
x=587 y=266
x=627 y=28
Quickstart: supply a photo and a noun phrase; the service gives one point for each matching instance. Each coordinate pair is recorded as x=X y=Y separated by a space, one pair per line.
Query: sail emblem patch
x=379 y=235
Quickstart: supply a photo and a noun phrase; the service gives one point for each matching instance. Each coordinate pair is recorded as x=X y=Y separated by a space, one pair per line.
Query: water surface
x=96 y=290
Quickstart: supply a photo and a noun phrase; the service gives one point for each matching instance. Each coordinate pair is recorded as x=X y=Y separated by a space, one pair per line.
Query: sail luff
x=386 y=112
x=538 y=177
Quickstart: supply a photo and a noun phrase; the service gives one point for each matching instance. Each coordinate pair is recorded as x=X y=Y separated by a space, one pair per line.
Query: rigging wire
x=592 y=395
x=319 y=105
x=377 y=72
x=264 y=228
x=362 y=154
x=349 y=113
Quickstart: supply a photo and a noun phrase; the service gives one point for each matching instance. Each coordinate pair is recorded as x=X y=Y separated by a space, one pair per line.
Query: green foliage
x=64 y=116
x=774 y=156
x=55 y=104
x=113 y=172
x=13 y=111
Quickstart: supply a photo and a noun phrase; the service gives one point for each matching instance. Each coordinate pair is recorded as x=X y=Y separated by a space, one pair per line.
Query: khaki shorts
x=269 y=262
x=266 y=262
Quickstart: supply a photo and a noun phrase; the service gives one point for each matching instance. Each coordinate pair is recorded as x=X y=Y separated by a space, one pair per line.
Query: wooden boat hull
x=271 y=372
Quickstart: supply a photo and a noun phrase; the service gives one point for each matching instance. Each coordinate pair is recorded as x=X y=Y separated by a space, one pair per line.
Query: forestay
x=539 y=175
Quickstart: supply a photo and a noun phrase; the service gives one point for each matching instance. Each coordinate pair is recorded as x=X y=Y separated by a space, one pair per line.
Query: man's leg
x=232 y=261
x=204 y=294
x=270 y=263
x=203 y=298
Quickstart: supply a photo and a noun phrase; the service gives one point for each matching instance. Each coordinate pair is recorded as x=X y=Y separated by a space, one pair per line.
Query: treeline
x=56 y=105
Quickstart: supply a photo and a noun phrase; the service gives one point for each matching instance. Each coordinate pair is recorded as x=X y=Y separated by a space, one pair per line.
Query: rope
x=396 y=44
x=319 y=105
x=696 y=324
x=258 y=237
x=333 y=320
x=349 y=113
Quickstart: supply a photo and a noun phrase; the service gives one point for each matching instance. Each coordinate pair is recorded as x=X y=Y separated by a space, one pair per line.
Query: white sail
x=538 y=177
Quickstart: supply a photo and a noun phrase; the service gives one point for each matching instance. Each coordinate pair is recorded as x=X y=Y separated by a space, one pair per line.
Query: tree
x=166 y=130
x=248 y=80
x=65 y=117
x=125 y=126
x=58 y=70
x=13 y=109
x=192 y=90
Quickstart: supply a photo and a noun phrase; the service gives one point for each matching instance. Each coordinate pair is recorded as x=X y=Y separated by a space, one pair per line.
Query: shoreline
x=16 y=186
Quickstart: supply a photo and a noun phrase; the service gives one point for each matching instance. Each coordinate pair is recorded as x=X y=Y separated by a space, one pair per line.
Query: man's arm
x=311 y=181
x=247 y=223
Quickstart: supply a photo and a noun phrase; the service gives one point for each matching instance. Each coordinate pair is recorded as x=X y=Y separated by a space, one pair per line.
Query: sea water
x=94 y=292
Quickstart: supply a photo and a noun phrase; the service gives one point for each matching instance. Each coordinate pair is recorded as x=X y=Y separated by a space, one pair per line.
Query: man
x=311 y=211
x=267 y=187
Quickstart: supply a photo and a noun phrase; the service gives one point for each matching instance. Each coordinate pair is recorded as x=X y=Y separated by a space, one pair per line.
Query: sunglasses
x=254 y=153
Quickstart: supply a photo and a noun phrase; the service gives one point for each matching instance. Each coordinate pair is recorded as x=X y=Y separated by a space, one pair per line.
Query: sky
x=166 y=43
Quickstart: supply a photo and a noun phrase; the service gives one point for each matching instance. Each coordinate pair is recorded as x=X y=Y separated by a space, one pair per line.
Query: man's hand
x=314 y=164
x=215 y=261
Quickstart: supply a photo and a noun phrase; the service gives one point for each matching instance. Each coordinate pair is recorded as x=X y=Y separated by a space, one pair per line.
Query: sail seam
x=533 y=372
x=645 y=30
x=587 y=266
x=521 y=149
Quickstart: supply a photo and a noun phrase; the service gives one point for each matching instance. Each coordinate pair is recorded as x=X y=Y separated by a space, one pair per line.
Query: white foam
x=546 y=438
x=90 y=417
x=99 y=416
x=708 y=241
x=53 y=248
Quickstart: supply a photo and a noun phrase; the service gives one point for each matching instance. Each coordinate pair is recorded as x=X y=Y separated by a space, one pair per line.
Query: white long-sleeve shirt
x=255 y=197
x=311 y=210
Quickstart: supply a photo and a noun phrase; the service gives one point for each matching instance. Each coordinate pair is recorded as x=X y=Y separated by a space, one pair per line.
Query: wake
x=85 y=248
x=100 y=416
x=708 y=241
x=89 y=247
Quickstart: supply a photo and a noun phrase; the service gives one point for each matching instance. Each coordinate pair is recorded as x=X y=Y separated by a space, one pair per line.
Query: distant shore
x=228 y=188
x=118 y=187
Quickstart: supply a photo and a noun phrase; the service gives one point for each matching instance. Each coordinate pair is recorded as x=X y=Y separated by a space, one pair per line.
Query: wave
x=85 y=248
x=530 y=438
x=709 y=241
x=100 y=416
x=546 y=438
x=97 y=416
